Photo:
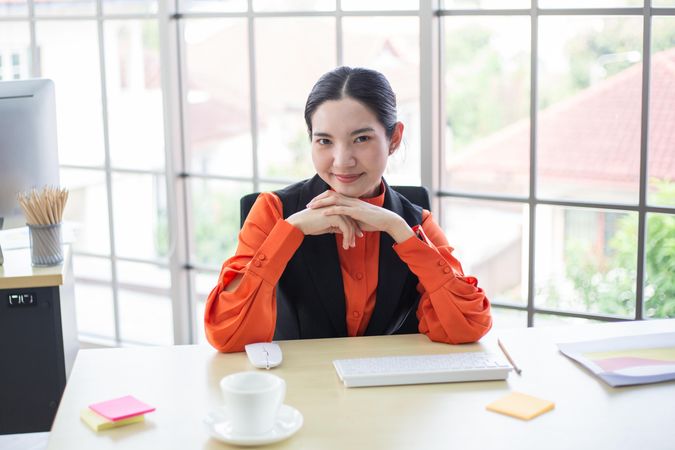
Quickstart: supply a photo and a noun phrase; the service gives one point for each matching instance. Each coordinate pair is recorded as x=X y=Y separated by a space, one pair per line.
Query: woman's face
x=350 y=147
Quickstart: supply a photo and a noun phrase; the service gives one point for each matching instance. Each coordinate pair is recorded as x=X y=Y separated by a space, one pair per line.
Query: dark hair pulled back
x=366 y=86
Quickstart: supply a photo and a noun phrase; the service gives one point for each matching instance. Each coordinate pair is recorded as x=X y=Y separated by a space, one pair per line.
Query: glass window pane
x=215 y=219
x=485 y=4
x=589 y=3
x=586 y=260
x=487 y=84
x=662 y=98
x=145 y=306
x=145 y=303
x=13 y=8
x=590 y=89
x=490 y=240
x=204 y=283
x=134 y=89
x=129 y=6
x=15 y=54
x=94 y=297
x=140 y=216
x=134 y=275
x=270 y=187
x=285 y=77
x=369 y=42
x=217 y=107
x=293 y=5
x=145 y=318
x=659 y=290
x=69 y=55
x=663 y=3
x=87 y=207
x=379 y=5
x=64 y=7
x=213 y=5
x=503 y=318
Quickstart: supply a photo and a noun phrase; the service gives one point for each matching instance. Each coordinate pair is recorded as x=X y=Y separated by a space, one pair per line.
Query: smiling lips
x=347 y=178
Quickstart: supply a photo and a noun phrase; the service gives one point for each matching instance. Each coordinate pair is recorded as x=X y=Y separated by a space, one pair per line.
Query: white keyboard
x=420 y=369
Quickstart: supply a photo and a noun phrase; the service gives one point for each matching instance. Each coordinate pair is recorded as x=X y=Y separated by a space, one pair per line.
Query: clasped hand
x=330 y=212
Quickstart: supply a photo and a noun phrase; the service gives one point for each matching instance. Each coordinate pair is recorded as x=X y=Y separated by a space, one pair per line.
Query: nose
x=343 y=156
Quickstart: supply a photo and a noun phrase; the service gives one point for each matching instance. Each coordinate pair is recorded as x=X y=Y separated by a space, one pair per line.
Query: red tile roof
x=593 y=135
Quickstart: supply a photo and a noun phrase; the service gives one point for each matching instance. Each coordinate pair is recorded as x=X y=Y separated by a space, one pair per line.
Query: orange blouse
x=452 y=308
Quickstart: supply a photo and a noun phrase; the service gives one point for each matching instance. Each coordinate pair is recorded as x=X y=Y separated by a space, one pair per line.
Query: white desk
x=182 y=382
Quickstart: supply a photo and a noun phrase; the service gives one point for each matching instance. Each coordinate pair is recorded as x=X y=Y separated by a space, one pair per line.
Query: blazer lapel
x=391 y=276
x=320 y=257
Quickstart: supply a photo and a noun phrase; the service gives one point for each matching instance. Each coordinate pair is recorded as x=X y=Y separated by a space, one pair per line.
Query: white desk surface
x=182 y=383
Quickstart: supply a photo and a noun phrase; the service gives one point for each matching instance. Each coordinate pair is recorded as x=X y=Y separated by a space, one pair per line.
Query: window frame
x=171 y=20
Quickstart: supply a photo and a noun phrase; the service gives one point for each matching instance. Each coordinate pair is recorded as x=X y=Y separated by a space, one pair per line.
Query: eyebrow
x=359 y=131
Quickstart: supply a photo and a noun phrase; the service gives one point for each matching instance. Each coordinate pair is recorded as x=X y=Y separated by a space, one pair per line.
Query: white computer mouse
x=264 y=355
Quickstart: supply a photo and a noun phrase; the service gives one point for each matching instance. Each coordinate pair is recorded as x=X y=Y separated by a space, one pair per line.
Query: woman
x=342 y=254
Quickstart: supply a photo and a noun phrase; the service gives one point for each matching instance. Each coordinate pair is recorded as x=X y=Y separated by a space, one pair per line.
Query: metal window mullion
x=551 y=202
x=183 y=220
x=291 y=14
x=582 y=315
x=137 y=171
x=644 y=158
x=532 y=197
x=35 y=69
x=559 y=312
x=150 y=262
x=485 y=12
x=253 y=97
x=487 y=197
x=339 y=36
x=430 y=79
x=82 y=17
x=108 y=172
x=591 y=12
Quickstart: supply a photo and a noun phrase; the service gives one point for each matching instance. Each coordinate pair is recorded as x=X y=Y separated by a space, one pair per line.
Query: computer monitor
x=28 y=148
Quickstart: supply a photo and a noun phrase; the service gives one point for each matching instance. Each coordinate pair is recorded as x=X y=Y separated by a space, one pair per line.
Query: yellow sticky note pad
x=520 y=405
x=98 y=423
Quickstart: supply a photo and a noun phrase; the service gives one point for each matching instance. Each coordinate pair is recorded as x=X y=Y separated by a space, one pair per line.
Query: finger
x=353 y=230
x=338 y=210
x=347 y=232
x=322 y=202
x=322 y=195
x=357 y=228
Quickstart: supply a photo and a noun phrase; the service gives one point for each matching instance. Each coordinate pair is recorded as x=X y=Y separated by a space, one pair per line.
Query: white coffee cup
x=252 y=401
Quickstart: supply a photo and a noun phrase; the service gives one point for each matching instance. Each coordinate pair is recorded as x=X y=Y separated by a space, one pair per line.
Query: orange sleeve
x=452 y=309
x=248 y=314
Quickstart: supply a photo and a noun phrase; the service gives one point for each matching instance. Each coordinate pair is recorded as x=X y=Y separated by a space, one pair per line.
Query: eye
x=362 y=139
x=323 y=141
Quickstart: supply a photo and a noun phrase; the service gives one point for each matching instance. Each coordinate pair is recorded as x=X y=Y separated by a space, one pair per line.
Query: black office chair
x=417 y=195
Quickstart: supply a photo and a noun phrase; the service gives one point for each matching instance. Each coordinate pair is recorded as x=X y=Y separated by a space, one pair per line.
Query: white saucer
x=289 y=420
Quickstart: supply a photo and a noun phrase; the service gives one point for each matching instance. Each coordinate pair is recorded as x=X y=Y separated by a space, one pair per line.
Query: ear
x=396 y=138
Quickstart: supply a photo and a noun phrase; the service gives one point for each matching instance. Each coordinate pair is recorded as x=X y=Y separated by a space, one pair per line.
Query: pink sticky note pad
x=121 y=408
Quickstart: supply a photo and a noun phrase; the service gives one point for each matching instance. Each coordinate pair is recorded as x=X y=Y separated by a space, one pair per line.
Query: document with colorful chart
x=627 y=360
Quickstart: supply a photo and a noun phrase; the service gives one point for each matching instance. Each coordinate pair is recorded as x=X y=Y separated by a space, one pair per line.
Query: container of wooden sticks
x=44 y=210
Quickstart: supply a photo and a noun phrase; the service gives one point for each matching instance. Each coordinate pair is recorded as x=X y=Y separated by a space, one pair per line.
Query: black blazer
x=310 y=293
